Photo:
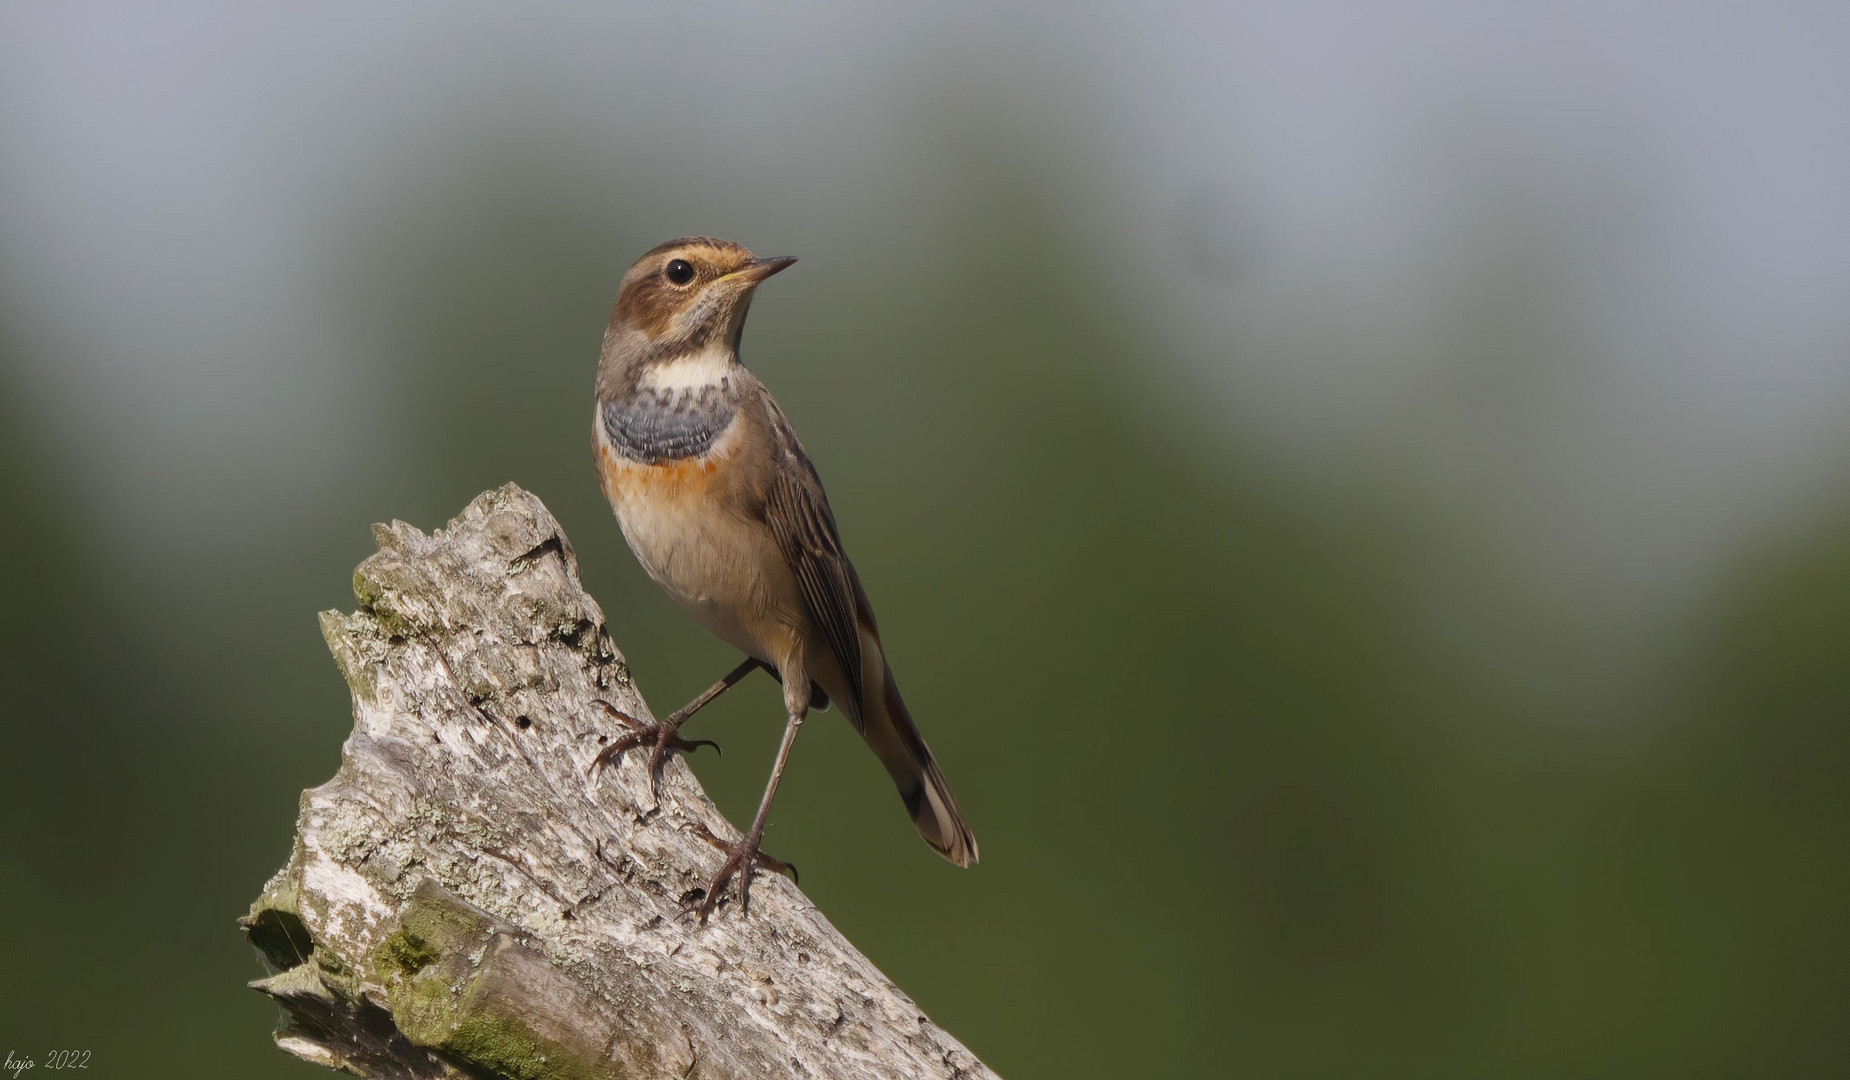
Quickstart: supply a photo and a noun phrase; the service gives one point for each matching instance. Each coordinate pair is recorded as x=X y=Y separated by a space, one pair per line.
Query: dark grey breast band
x=664 y=425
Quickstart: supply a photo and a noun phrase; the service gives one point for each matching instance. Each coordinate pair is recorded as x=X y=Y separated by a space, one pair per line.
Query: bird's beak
x=759 y=269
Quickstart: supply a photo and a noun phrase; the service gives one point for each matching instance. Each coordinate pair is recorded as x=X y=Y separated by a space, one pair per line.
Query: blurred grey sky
x=1297 y=201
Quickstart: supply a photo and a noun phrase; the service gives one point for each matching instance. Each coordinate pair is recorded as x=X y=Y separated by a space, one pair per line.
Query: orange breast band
x=637 y=480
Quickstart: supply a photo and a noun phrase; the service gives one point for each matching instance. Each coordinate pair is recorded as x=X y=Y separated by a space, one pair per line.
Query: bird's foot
x=743 y=859
x=661 y=739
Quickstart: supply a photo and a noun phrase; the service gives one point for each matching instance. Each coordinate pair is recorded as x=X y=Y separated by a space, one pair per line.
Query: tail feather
x=895 y=739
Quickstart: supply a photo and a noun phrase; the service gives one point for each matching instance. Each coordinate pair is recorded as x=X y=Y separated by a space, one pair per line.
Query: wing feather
x=797 y=511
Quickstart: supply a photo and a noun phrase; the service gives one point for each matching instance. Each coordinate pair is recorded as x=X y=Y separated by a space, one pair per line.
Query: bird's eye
x=679 y=271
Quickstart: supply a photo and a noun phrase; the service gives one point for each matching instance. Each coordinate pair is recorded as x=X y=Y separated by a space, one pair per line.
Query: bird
x=723 y=508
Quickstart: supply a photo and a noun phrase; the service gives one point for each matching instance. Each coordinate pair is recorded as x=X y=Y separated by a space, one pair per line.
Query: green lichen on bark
x=505 y=1045
x=442 y=968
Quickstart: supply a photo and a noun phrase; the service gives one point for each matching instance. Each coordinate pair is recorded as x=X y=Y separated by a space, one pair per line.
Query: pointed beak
x=759 y=269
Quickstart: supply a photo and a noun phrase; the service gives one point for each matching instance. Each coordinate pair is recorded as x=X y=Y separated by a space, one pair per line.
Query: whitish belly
x=701 y=556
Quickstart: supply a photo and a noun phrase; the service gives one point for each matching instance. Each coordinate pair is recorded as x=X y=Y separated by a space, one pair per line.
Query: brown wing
x=798 y=513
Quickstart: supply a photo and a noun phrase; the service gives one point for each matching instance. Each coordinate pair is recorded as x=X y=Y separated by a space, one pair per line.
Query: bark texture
x=464 y=901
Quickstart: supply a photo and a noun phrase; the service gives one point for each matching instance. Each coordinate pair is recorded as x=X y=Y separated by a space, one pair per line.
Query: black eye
x=680 y=271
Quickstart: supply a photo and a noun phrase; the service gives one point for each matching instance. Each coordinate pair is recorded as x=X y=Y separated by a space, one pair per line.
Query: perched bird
x=725 y=511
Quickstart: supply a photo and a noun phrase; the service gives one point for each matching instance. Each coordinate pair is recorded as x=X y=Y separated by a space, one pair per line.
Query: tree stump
x=465 y=901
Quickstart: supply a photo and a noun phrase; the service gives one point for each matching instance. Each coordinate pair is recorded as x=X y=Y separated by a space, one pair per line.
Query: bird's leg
x=665 y=735
x=742 y=858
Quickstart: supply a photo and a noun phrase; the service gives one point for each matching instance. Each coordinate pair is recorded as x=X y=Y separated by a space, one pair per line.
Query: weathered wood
x=464 y=900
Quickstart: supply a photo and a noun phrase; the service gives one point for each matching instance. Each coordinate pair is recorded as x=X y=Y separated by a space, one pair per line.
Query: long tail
x=889 y=730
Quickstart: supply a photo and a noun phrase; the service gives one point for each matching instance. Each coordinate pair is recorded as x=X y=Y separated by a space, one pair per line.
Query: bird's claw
x=738 y=856
x=662 y=739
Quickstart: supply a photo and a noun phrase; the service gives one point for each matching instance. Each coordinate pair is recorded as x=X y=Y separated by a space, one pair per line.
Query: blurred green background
x=1354 y=497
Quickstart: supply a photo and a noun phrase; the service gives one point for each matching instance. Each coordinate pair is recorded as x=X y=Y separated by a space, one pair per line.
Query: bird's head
x=687 y=295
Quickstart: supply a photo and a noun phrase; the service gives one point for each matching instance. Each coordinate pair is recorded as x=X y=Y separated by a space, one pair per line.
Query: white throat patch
x=693 y=372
